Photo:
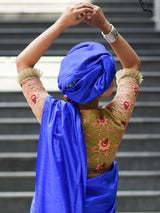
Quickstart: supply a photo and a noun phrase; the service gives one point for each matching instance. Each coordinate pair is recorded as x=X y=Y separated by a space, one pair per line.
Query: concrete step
x=53 y=9
x=25 y=181
x=148 y=94
x=53 y=12
x=123 y=4
x=82 y=33
x=140 y=52
x=142 y=161
x=18 y=161
x=31 y=126
x=145 y=180
x=17 y=181
x=8 y=79
x=136 y=22
x=143 y=109
x=143 y=125
x=138 y=201
x=151 y=79
x=16 y=96
x=22 y=109
x=61 y=46
x=130 y=142
x=140 y=142
x=15 y=202
x=148 y=63
x=125 y=201
x=19 y=143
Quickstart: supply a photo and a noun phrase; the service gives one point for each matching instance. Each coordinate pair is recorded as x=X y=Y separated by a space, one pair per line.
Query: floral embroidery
x=88 y=134
x=107 y=126
x=102 y=120
x=100 y=167
x=93 y=123
x=106 y=155
x=35 y=94
x=93 y=148
x=135 y=90
x=97 y=159
x=33 y=97
x=104 y=144
x=126 y=105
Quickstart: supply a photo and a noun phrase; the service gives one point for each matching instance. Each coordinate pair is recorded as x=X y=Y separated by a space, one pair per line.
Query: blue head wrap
x=86 y=72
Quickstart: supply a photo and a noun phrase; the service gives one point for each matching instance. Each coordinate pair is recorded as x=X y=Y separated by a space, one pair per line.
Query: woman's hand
x=75 y=13
x=97 y=19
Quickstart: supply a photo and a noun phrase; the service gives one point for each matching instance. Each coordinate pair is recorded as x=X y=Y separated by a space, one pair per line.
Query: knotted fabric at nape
x=86 y=72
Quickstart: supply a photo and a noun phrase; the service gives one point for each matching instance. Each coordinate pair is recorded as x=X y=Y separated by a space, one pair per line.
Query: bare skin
x=92 y=15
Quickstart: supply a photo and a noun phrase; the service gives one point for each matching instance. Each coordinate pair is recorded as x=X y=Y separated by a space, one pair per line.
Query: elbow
x=18 y=64
x=21 y=64
x=137 y=64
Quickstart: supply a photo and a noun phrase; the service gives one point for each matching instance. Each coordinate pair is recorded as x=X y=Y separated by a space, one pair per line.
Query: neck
x=90 y=105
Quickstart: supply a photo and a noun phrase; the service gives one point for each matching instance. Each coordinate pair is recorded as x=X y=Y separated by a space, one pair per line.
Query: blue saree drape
x=61 y=170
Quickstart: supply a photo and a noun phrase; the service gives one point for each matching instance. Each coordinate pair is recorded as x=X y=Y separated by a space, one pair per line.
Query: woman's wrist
x=61 y=24
x=106 y=28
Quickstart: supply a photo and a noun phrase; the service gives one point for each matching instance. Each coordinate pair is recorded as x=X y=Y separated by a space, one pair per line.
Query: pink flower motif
x=102 y=120
x=100 y=167
x=126 y=105
x=106 y=154
x=97 y=159
x=93 y=148
x=93 y=123
x=135 y=90
x=104 y=144
x=99 y=134
x=33 y=97
x=85 y=120
x=88 y=135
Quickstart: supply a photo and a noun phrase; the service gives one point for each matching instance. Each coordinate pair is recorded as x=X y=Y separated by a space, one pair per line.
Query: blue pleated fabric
x=61 y=170
x=91 y=66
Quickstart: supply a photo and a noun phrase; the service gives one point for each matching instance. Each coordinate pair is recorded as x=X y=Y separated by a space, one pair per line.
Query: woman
x=68 y=179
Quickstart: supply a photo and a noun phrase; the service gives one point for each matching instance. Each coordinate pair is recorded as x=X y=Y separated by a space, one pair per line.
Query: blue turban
x=86 y=72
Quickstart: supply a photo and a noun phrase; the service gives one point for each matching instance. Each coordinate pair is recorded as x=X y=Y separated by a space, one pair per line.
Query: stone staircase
x=139 y=153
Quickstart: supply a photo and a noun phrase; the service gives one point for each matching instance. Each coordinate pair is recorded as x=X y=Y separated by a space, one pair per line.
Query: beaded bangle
x=29 y=73
x=130 y=73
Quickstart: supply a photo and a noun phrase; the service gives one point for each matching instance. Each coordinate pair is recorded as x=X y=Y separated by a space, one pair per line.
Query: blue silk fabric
x=91 y=66
x=61 y=171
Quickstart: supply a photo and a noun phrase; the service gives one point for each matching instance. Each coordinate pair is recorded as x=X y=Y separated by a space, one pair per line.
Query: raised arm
x=32 y=53
x=123 y=50
x=31 y=85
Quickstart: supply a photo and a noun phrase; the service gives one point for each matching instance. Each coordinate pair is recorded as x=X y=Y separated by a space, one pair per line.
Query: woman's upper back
x=103 y=128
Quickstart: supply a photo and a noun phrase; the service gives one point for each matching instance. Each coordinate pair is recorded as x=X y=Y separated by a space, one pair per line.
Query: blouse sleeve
x=128 y=82
x=33 y=90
